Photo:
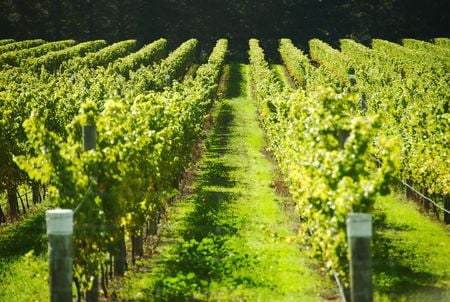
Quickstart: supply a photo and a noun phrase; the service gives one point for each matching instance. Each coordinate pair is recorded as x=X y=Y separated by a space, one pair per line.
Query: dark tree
x=237 y=20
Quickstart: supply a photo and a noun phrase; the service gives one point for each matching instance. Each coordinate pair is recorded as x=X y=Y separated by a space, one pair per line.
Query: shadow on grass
x=28 y=235
x=236 y=84
x=205 y=254
x=393 y=276
x=217 y=145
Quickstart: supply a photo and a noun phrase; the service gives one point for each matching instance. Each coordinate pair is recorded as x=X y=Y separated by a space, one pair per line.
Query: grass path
x=283 y=75
x=230 y=240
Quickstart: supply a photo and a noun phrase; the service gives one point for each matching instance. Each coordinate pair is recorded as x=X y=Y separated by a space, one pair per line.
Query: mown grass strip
x=230 y=240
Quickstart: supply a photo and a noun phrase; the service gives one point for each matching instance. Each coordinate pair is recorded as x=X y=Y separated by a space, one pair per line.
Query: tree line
x=237 y=20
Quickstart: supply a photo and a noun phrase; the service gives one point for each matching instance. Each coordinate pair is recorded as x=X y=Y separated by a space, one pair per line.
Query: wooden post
x=26 y=199
x=12 y=203
x=426 y=203
x=89 y=137
x=363 y=102
x=21 y=202
x=153 y=224
x=2 y=215
x=35 y=193
x=137 y=244
x=60 y=250
x=352 y=79
x=359 y=233
x=408 y=192
x=92 y=295
x=343 y=135
x=447 y=207
x=44 y=192
x=168 y=82
x=89 y=133
x=120 y=255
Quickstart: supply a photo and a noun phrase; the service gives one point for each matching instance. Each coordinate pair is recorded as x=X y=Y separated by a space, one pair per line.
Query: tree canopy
x=237 y=20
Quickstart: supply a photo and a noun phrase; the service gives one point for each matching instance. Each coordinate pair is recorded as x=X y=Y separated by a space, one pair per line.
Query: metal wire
x=340 y=287
x=78 y=207
x=416 y=191
x=424 y=197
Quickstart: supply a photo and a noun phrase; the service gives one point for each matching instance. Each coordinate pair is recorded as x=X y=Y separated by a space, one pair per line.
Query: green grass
x=411 y=253
x=23 y=260
x=24 y=278
x=282 y=75
x=230 y=240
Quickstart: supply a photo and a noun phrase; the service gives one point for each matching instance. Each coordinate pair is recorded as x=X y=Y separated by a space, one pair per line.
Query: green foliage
x=413 y=59
x=52 y=60
x=326 y=157
x=305 y=74
x=102 y=57
x=296 y=62
x=429 y=49
x=152 y=52
x=20 y=45
x=410 y=87
x=21 y=57
x=229 y=240
x=3 y=42
x=16 y=101
x=173 y=67
x=332 y=60
x=144 y=142
x=324 y=151
x=442 y=42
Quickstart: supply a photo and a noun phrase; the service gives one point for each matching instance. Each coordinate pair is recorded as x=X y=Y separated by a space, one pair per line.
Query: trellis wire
x=416 y=191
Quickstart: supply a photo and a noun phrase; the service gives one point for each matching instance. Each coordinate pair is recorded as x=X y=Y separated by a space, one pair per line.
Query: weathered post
x=60 y=251
x=168 y=81
x=89 y=133
x=120 y=255
x=13 y=202
x=359 y=234
x=92 y=294
x=89 y=137
x=2 y=216
x=36 y=195
x=343 y=136
x=447 y=209
x=363 y=102
x=352 y=79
